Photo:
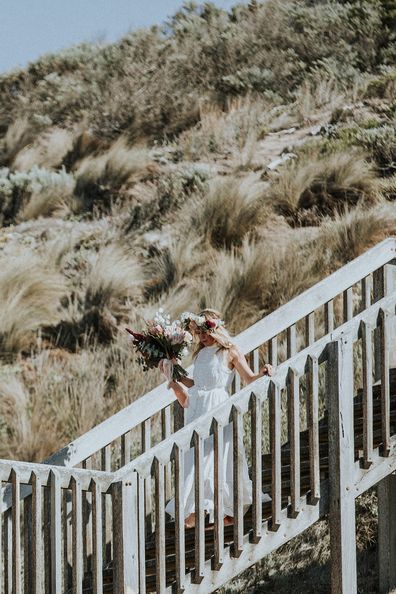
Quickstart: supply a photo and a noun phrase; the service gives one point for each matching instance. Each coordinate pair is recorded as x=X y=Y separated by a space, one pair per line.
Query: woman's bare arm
x=238 y=359
x=180 y=393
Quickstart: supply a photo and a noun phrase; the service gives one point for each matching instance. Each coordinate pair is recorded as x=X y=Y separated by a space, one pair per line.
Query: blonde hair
x=220 y=334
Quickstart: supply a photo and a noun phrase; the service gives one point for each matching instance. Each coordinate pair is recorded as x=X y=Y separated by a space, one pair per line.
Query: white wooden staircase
x=318 y=433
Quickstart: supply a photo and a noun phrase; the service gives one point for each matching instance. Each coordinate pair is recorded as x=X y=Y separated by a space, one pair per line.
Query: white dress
x=212 y=380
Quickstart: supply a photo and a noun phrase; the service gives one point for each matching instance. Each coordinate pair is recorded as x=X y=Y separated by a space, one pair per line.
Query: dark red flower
x=136 y=335
x=210 y=324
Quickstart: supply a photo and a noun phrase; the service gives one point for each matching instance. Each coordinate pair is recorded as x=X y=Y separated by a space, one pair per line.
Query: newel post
x=339 y=380
x=125 y=535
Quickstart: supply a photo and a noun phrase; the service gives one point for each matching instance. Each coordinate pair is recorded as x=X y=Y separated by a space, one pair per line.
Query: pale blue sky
x=30 y=28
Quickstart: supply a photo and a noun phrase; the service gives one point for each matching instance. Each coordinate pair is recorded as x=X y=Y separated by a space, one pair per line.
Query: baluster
x=383 y=323
x=16 y=533
x=177 y=456
x=312 y=367
x=198 y=445
x=275 y=440
x=366 y=292
x=77 y=536
x=165 y=432
x=256 y=437
x=125 y=536
x=37 y=549
x=97 y=530
x=218 y=447
x=378 y=293
x=365 y=331
x=160 y=559
x=273 y=351
x=237 y=382
x=66 y=531
x=237 y=446
x=8 y=551
x=291 y=340
x=339 y=387
x=142 y=535
x=347 y=304
x=293 y=409
x=146 y=445
x=310 y=328
x=27 y=545
x=329 y=316
x=254 y=360
x=56 y=533
x=47 y=538
x=125 y=448
x=106 y=508
x=86 y=523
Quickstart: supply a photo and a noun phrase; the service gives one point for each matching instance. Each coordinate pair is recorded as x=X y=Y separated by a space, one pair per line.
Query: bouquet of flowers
x=162 y=345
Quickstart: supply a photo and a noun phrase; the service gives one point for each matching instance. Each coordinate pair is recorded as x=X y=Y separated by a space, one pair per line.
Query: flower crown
x=200 y=321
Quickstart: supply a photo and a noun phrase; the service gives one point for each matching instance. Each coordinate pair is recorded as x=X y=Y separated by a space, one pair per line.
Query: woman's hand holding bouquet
x=162 y=345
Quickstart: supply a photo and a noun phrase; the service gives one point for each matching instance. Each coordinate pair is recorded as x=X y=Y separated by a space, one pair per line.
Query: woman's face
x=204 y=337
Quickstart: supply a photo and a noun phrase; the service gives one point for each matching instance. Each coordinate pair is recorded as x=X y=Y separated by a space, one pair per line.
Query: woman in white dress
x=215 y=360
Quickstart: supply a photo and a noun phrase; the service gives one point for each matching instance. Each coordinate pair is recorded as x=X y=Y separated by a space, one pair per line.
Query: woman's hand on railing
x=267 y=370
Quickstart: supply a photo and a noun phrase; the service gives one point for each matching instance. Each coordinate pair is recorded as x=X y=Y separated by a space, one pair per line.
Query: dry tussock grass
x=99 y=178
x=231 y=209
x=47 y=150
x=30 y=295
x=305 y=191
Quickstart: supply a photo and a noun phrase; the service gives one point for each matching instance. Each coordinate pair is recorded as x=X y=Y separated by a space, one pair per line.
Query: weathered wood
x=36 y=577
x=366 y=284
x=291 y=340
x=293 y=408
x=56 y=532
x=275 y=440
x=146 y=445
x=237 y=478
x=387 y=534
x=313 y=428
x=16 y=534
x=329 y=316
x=256 y=440
x=77 y=537
x=27 y=545
x=310 y=328
x=339 y=379
x=347 y=304
x=367 y=365
x=179 y=519
x=273 y=351
x=383 y=324
x=97 y=538
x=142 y=534
x=86 y=522
x=125 y=448
x=7 y=528
x=198 y=444
x=160 y=572
x=165 y=433
x=125 y=535
x=106 y=508
x=218 y=446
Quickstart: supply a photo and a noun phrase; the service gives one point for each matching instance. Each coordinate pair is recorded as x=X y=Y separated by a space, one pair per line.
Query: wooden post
x=341 y=463
x=387 y=534
x=125 y=536
x=378 y=293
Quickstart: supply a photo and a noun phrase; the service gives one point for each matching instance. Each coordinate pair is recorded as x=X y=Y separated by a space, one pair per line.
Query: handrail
x=271 y=325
